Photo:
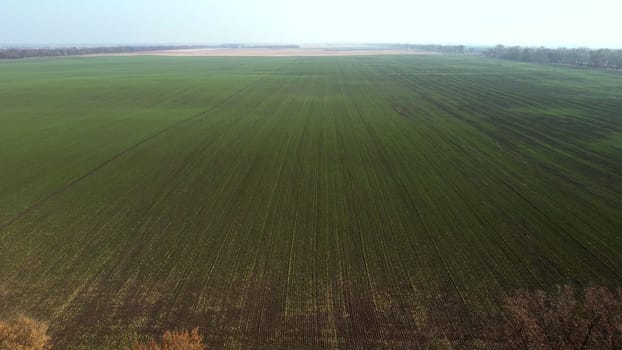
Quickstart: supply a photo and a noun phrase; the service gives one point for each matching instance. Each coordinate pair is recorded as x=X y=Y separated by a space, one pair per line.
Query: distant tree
x=554 y=56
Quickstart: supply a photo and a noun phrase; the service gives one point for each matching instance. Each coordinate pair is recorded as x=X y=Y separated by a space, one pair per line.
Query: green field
x=299 y=202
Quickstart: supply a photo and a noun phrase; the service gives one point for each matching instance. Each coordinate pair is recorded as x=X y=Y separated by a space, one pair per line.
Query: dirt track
x=265 y=52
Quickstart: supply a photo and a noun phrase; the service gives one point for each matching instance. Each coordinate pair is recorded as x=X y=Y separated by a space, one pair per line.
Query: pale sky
x=592 y=23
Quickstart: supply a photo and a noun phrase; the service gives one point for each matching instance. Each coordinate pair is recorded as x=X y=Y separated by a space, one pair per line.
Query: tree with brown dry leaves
x=175 y=340
x=24 y=333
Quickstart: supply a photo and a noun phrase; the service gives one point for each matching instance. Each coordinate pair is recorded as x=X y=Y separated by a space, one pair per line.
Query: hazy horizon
x=553 y=23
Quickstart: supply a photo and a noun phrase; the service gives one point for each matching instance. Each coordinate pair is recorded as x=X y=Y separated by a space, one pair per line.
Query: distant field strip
x=299 y=202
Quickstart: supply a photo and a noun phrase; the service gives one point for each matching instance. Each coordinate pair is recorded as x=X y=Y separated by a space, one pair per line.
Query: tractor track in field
x=38 y=203
x=451 y=112
x=225 y=239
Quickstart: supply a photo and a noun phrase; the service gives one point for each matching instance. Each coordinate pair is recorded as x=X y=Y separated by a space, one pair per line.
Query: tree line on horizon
x=17 y=53
x=578 y=57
